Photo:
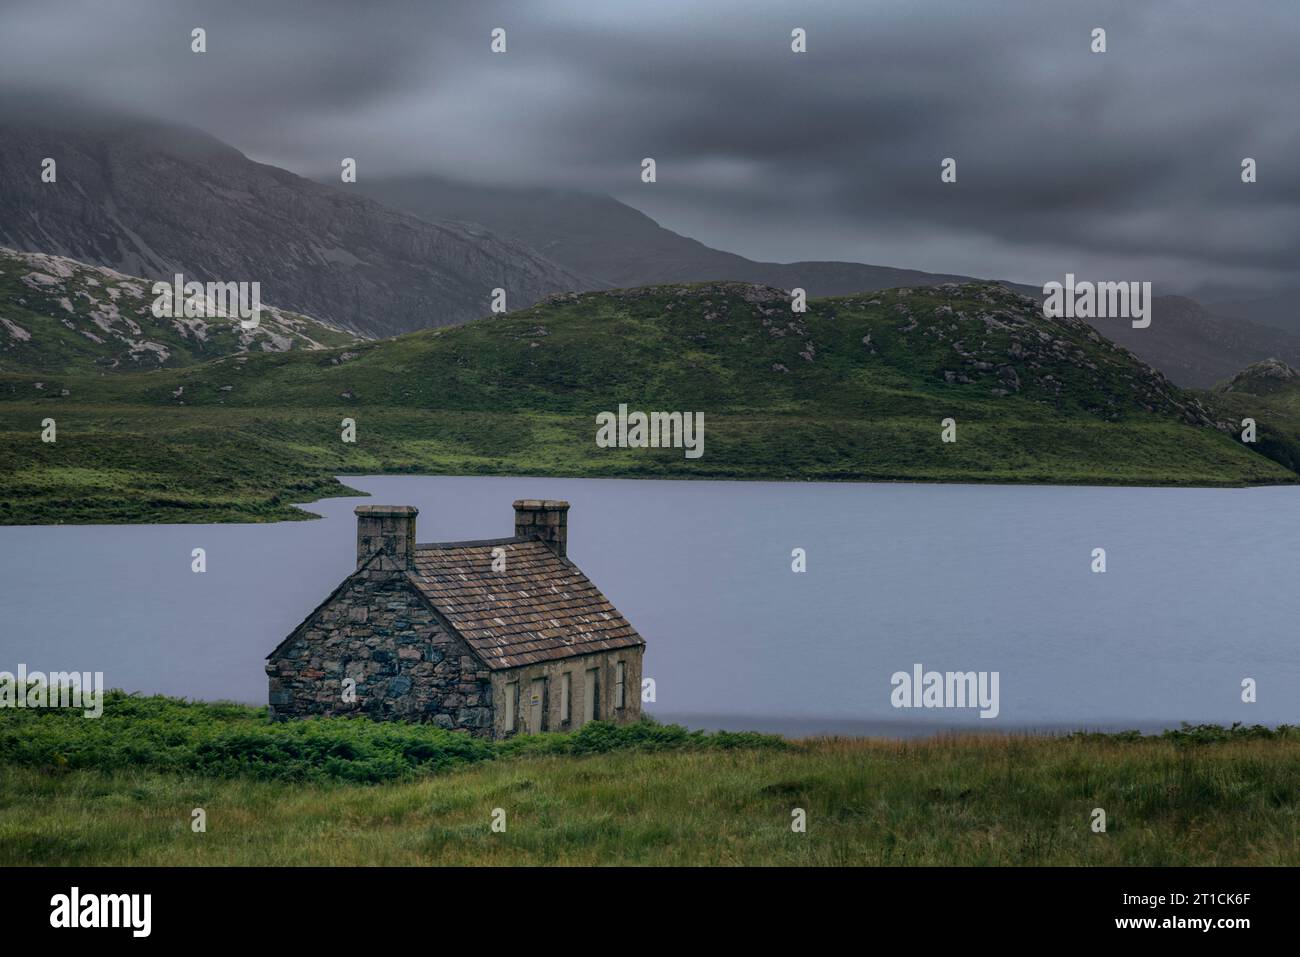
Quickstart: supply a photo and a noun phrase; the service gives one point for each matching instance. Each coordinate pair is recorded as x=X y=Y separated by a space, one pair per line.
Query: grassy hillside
x=856 y=388
x=60 y=315
x=1269 y=393
x=124 y=793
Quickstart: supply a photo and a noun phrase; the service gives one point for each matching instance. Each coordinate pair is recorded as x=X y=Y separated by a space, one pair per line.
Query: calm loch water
x=1201 y=591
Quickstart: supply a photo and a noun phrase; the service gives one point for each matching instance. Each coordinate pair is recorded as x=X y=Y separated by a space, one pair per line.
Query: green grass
x=1277 y=420
x=853 y=390
x=646 y=795
x=230 y=740
x=121 y=790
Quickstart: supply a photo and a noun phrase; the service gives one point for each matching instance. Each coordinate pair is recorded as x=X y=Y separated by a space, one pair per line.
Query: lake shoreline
x=301 y=511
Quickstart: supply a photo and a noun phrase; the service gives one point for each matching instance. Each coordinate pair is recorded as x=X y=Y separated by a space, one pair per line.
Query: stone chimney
x=386 y=528
x=547 y=518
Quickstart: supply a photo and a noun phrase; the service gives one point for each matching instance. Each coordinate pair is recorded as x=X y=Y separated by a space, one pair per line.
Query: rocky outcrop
x=1263 y=378
x=1001 y=338
x=57 y=313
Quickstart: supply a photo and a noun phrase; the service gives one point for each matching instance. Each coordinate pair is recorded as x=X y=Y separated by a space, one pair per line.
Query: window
x=512 y=706
x=620 y=697
x=590 y=712
x=566 y=683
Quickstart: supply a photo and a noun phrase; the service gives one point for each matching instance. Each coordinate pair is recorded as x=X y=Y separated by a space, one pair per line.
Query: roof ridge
x=512 y=540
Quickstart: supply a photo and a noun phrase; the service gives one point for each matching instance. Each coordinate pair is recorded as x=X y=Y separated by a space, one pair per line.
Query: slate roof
x=541 y=608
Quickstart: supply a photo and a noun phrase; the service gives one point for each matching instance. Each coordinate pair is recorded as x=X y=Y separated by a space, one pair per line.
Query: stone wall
x=380 y=632
x=551 y=672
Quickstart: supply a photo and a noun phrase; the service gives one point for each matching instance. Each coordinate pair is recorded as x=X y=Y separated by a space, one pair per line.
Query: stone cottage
x=493 y=637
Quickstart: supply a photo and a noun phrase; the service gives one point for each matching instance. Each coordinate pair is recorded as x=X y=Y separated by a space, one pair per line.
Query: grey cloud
x=1125 y=162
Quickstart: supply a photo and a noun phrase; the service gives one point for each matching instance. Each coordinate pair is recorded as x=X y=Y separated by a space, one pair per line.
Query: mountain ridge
x=153 y=199
x=388 y=256
x=598 y=235
x=602 y=236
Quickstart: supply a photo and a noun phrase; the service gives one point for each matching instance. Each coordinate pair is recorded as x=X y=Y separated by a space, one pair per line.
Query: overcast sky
x=1122 y=165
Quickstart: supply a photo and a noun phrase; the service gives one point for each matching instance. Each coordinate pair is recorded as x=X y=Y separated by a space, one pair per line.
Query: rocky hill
x=1264 y=378
x=1267 y=393
x=60 y=315
x=731 y=346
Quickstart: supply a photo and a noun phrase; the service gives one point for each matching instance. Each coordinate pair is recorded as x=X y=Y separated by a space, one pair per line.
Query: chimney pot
x=547 y=519
x=386 y=528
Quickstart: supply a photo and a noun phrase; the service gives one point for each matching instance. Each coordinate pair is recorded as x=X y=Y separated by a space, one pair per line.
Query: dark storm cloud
x=1123 y=164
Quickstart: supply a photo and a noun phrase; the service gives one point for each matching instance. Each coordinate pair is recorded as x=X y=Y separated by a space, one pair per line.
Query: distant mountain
x=598 y=236
x=153 y=200
x=60 y=315
x=1281 y=310
x=1196 y=348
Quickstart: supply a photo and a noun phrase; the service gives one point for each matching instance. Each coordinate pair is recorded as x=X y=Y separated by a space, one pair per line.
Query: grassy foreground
x=641 y=795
